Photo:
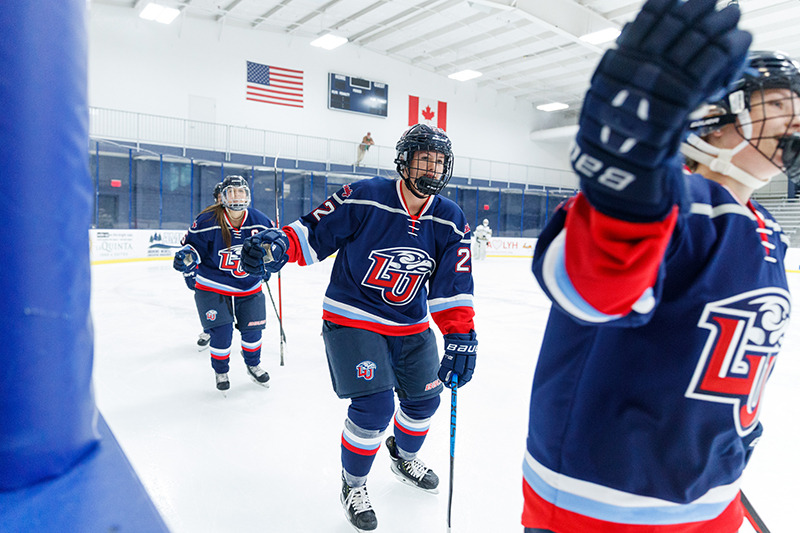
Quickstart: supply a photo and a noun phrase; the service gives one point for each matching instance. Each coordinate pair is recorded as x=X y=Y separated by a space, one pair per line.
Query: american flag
x=274 y=85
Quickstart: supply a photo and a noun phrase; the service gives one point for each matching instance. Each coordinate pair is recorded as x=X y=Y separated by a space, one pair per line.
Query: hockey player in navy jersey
x=225 y=294
x=669 y=293
x=402 y=250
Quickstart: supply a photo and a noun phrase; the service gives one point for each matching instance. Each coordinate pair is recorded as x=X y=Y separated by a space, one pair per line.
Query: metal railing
x=187 y=135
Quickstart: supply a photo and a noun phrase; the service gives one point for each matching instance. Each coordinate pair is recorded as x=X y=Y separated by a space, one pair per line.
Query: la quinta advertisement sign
x=109 y=246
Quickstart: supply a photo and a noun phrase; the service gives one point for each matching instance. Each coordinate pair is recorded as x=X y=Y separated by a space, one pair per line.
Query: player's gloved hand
x=189 y=279
x=460 y=350
x=265 y=252
x=675 y=56
x=185 y=260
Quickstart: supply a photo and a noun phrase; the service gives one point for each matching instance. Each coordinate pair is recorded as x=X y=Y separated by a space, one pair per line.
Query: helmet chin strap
x=719 y=159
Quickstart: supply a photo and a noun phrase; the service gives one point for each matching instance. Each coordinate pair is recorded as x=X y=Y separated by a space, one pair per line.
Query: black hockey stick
x=752 y=516
x=278 y=224
x=280 y=322
x=453 y=402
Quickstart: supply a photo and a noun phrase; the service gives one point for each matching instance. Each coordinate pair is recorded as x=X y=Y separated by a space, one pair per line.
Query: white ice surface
x=267 y=460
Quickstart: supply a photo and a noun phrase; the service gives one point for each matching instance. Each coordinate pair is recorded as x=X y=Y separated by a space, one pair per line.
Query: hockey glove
x=185 y=260
x=673 y=57
x=189 y=279
x=460 y=350
x=265 y=252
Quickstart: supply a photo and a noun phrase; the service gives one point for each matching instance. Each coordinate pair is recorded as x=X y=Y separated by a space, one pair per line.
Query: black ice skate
x=414 y=472
x=222 y=383
x=258 y=375
x=202 y=341
x=357 y=507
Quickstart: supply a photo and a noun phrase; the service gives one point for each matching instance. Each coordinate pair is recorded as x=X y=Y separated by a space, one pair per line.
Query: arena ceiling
x=527 y=49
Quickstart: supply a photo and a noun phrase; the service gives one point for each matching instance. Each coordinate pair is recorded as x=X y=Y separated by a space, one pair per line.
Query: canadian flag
x=427 y=111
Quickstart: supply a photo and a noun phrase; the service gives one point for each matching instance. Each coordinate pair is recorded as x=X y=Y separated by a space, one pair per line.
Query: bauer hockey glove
x=675 y=56
x=460 y=350
x=265 y=252
x=185 y=260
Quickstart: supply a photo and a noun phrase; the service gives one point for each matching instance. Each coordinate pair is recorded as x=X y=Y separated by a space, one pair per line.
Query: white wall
x=145 y=67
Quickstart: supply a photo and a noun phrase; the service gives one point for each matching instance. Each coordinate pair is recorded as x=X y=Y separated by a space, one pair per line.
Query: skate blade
x=254 y=380
x=405 y=481
x=201 y=348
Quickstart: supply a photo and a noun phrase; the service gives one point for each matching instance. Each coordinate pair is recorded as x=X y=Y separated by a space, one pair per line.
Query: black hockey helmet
x=217 y=191
x=422 y=137
x=235 y=204
x=763 y=71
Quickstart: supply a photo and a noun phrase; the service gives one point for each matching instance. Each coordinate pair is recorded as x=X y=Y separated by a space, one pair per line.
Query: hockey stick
x=453 y=402
x=278 y=224
x=752 y=516
x=280 y=322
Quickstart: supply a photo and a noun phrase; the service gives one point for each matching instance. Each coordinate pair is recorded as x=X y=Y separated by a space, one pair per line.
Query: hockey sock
x=251 y=347
x=367 y=419
x=411 y=424
x=359 y=447
x=220 y=347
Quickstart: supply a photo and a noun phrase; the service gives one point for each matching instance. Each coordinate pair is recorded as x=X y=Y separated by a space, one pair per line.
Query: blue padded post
x=47 y=409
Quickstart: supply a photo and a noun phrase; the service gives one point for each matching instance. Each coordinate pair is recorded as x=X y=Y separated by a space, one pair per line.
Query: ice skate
x=223 y=384
x=202 y=341
x=413 y=472
x=258 y=375
x=357 y=507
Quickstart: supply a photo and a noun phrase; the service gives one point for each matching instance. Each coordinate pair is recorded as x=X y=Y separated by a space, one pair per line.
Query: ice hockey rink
x=267 y=460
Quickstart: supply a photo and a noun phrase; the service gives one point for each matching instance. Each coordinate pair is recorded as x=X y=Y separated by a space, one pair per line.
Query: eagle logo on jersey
x=745 y=335
x=398 y=273
x=230 y=261
x=366 y=370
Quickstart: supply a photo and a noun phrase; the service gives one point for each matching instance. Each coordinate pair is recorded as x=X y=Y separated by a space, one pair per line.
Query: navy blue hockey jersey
x=647 y=417
x=390 y=266
x=219 y=269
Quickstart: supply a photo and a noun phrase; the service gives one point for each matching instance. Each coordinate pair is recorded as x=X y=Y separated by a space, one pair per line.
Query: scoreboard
x=357 y=95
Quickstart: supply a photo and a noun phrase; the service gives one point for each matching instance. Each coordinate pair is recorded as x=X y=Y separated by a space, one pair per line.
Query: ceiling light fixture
x=159 y=13
x=555 y=106
x=600 y=37
x=329 y=41
x=465 y=75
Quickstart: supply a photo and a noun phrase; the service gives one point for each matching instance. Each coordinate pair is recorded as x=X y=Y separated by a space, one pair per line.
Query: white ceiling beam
x=390 y=28
x=313 y=14
x=358 y=14
x=569 y=19
x=269 y=13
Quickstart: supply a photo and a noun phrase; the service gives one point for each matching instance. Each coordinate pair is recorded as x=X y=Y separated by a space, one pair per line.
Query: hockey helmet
x=485 y=221
x=763 y=71
x=217 y=191
x=422 y=137
x=231 y=200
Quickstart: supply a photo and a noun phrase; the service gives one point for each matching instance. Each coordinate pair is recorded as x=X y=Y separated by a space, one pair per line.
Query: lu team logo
x=745 y=334
x=230 y=261
x=366 y=370
x=398 y=273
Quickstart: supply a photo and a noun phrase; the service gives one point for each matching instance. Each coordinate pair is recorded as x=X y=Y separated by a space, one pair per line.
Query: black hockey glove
x=676 y=55
x=460 y=350
x=185 y=260
x=265 y=252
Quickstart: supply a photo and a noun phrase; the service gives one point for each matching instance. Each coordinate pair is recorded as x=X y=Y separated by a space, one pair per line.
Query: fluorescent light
x=465 y=75
x=602 y=36
x=329 y=41
x=159 y=13
x=555 y=106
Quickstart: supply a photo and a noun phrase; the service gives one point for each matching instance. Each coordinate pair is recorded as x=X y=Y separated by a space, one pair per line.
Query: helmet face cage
x=766 y=71
x=233 y=202
x=424 y=138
